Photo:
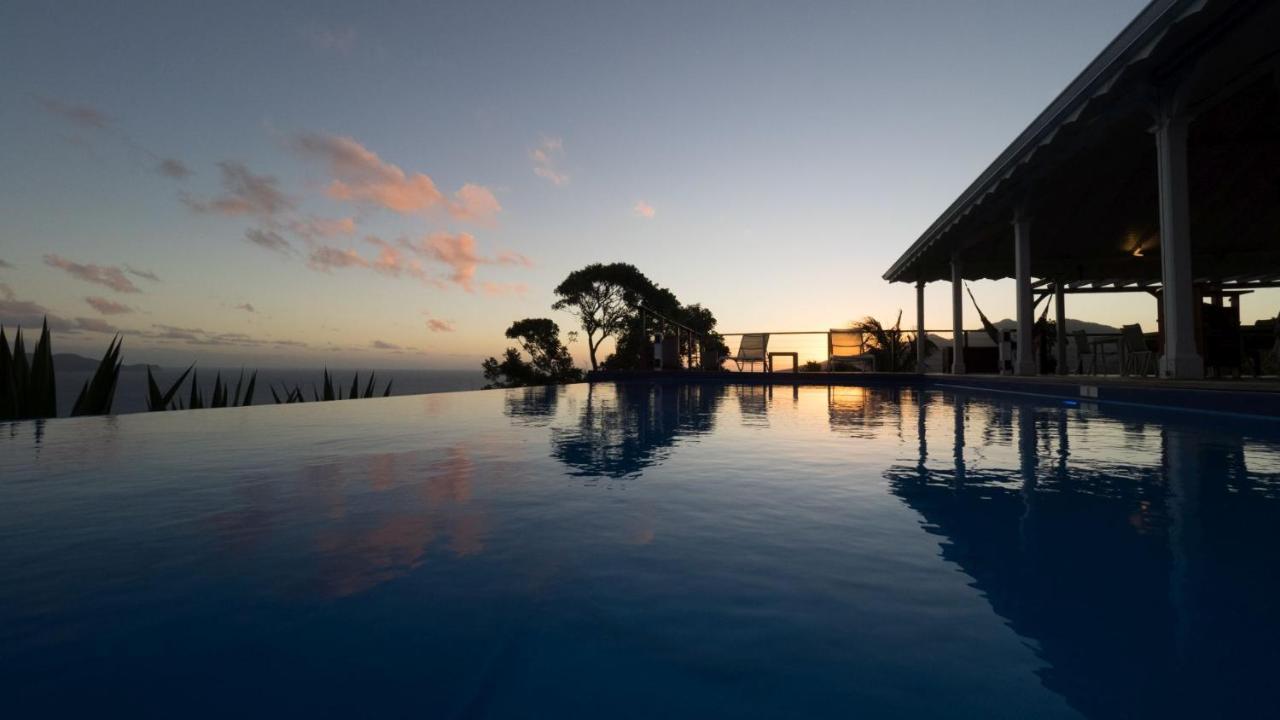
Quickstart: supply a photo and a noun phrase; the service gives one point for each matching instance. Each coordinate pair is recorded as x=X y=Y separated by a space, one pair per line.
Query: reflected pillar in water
x=958 y=408
x=922 y=409
x=1181 y=459
x=1027 y=465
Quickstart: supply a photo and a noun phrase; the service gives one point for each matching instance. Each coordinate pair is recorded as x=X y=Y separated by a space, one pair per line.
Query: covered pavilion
x=1156 y=170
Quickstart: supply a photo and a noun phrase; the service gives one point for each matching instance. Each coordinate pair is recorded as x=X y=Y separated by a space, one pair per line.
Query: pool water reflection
x=635 y=550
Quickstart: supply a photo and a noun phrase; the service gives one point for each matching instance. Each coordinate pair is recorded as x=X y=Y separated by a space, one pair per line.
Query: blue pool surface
x=643 y=551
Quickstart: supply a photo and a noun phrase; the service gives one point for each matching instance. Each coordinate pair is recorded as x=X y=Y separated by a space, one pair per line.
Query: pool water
x=643 y=550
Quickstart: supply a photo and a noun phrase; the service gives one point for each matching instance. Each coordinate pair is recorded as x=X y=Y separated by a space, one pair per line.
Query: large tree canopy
x=603 y=298
x=549 y=361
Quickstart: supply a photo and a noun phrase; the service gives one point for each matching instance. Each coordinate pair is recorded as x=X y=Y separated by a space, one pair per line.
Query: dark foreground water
x=642 y=551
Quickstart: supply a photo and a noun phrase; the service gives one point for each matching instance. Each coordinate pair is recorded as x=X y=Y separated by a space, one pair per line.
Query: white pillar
x=1025 y=362
x=957 y=317
x=1060 y=317
x=1180 y=357
x=922 y=338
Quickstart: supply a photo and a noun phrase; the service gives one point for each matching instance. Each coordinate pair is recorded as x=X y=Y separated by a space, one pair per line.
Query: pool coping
x=1234 y=397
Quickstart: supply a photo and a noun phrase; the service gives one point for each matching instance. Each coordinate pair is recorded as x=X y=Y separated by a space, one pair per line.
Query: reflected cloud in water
x=383 y=515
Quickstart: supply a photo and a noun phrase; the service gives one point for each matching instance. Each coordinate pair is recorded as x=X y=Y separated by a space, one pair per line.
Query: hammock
x=992 y=331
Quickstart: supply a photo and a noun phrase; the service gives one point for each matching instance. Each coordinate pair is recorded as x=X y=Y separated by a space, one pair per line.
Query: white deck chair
x=753 y=349
x=848 y=347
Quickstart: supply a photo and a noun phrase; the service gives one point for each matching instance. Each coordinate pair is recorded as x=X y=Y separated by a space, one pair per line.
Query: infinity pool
x=637 y=550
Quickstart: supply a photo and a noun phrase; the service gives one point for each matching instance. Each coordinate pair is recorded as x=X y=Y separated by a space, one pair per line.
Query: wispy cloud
x=174 y=168
x=435 y=325
x=380 y=345
x=202 y=337
x=144 y=274
x=359 y=175
x=6 y=265
x=96 y=325
x=108 y=307
x=458 y=252
x=546 y=160
x=643 y=209
x=105 y=275
x=269 y=239
x=247 y=307
x=244 y=193
x=29 y=314
x=80 y=114
x=313 y=228
x=390 y=260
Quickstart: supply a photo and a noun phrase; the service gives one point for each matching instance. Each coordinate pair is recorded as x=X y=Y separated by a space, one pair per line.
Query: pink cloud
x=435 y=325
x=391 y=260
x=109 y=276
x=474 y=203
x=361 y=176
x=546 y=158
x=459 y=253
x=244 y=193
x=643 y=209
x=108 y=307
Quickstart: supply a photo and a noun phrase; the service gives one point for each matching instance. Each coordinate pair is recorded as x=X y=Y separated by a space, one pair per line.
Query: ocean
x=131 y=389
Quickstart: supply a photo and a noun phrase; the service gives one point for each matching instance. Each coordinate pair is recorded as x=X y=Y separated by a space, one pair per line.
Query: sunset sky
x=391 y=184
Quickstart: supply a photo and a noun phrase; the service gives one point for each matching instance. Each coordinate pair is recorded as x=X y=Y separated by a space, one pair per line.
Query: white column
x=1060 y=317
x=1180 y=357
x=1025 y=363
x=922 y=338
x=957 y=317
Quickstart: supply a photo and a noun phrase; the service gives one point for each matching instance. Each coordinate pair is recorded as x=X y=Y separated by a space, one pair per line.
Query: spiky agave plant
x=27 y=389
x=329 y=390
x=158 y=401
x=221 y=396
x=99 y=392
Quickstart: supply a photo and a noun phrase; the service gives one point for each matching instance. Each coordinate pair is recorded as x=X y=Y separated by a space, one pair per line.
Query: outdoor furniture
x=795 y=360
x=845 y=346
x=1100 y=347
x=752 y=349
x=1084 y=351
x=1136 y=356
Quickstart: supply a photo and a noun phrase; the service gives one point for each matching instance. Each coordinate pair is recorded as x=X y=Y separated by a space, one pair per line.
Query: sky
x=392 y=184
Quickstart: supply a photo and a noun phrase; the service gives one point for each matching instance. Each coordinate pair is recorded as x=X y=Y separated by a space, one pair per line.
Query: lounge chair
x=849 y=347
x=752 y=349
x=1137 y=356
